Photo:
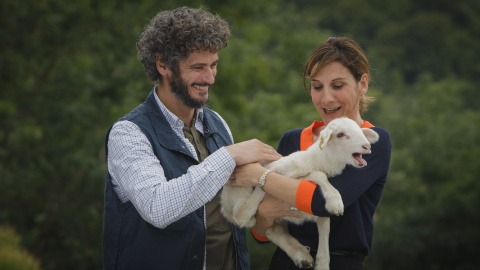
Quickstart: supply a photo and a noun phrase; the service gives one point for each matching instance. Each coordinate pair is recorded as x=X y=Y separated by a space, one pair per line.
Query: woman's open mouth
x=332 y=110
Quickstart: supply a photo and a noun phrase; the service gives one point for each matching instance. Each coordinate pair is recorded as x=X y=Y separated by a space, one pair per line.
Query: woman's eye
x=340 y=135
x=337 y=86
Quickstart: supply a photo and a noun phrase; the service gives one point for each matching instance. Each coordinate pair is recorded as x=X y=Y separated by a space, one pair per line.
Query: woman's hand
x=270 y=209
x=246 y=175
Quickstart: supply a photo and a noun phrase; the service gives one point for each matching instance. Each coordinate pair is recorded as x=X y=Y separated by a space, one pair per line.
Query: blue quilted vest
x=129 y=242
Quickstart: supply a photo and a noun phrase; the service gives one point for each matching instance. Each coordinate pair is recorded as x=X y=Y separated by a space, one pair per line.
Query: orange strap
x=259 y=237
x=303 y=199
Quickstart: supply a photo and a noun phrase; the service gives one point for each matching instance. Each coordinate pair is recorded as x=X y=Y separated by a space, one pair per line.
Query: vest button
x=195 y=257
x=206 y=130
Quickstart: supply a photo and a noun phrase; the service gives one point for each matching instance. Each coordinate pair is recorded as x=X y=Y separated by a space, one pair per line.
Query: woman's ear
x=363 y=84
x=161 y=67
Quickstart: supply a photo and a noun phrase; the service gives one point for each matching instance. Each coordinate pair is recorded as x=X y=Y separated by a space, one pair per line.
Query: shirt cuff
x=259 y=237
x=304 y=196
x=230 y=162
x=221 y=162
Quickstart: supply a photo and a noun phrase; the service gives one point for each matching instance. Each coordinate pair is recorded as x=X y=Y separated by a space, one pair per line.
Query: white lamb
x=342 y=142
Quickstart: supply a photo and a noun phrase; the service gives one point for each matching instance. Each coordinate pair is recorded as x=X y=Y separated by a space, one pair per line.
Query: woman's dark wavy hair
x=175 y=34
x=346 y=51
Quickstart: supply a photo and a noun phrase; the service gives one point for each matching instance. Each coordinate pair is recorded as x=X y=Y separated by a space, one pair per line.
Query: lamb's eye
x=340 y=134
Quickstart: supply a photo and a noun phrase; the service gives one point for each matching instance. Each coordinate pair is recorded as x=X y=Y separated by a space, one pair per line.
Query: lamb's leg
x=322 y=260
x=244 y=214
x=296 y=251
x=333 y=199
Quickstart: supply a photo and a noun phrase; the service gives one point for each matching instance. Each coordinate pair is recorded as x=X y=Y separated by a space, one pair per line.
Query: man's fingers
x=252 y=151
x=272 y=157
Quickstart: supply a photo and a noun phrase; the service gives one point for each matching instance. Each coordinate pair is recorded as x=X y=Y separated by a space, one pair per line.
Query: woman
x=339 y=74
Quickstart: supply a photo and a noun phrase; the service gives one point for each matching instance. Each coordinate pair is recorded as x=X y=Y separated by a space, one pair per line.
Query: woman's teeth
x=332 y=110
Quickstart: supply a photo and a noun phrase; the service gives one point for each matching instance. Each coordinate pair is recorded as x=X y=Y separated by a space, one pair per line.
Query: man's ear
x=161 y=66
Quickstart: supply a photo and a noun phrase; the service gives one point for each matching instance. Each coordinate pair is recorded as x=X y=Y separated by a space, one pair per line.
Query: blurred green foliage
x=69 y=70
x=12 y=256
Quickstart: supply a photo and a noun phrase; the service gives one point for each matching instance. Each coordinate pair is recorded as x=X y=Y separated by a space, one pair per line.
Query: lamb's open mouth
x=359 y=160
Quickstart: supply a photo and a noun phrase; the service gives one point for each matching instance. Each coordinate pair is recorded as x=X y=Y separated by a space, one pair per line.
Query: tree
x=427 y=218
x=12 y=256
x=63 y=84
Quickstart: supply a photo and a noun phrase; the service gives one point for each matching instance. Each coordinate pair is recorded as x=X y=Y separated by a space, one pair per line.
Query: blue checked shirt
x=138 y=176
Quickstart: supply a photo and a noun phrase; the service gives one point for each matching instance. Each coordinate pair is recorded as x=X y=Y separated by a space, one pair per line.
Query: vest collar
x=164 y=132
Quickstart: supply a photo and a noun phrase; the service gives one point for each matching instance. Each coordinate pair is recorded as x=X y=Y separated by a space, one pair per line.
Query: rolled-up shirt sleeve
x=138 y=176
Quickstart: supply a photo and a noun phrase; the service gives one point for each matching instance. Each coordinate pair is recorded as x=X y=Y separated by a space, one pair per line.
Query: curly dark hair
x=175 y=34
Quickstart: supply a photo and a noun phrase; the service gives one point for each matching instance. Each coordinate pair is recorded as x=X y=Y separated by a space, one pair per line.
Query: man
x=169 y=158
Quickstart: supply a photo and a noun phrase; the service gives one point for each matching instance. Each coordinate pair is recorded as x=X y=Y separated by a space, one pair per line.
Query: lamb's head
x=345 y=141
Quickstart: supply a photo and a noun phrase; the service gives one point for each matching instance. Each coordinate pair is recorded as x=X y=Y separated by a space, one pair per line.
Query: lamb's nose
x=367 y=146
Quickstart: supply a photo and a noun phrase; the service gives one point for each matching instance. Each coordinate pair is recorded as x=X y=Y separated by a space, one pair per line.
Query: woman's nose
x=327 y=96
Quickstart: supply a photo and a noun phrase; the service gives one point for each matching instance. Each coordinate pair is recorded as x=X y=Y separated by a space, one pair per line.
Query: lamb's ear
x=324 y=137
x=372 y=135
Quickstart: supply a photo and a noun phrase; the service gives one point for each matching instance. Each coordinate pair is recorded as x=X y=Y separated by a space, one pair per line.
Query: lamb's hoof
x=306 y=264
x=303 y=259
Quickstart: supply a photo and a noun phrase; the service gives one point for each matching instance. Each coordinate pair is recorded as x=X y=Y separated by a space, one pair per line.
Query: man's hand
x=252 y=151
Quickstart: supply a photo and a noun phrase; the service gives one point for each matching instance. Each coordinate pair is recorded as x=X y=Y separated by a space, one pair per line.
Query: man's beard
x=180 y=89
